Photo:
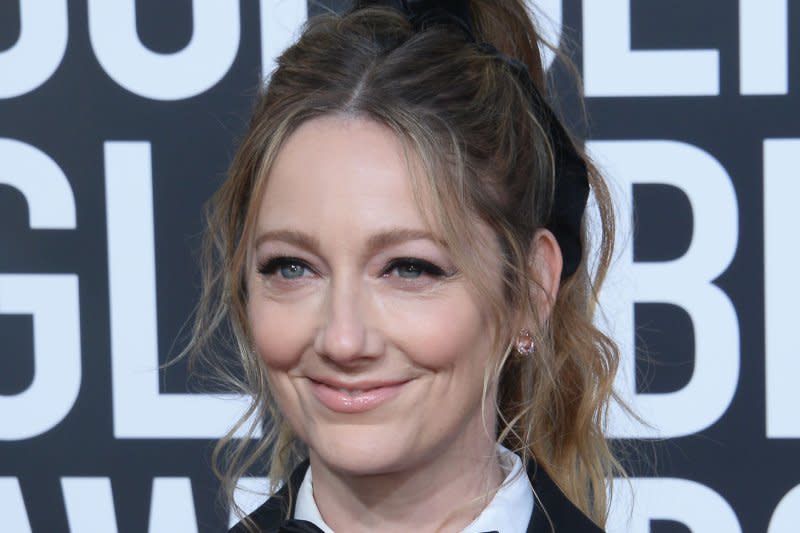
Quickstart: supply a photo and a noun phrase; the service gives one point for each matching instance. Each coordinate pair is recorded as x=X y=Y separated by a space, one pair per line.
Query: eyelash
x=424 y=267
x=271 y=266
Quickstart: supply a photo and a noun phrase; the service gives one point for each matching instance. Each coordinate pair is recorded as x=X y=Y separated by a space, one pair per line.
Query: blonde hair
x=484 y=156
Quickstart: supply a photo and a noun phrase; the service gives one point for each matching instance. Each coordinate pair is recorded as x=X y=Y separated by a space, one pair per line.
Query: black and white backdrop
x=117 y=121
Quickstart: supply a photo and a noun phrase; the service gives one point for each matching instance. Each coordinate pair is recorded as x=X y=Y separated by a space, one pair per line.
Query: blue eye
x=292 y=270
x=410 y=268
x=287 y=267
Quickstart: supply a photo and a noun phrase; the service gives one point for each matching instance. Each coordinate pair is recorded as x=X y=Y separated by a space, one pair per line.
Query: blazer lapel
x=276 y=509
x=552 y=510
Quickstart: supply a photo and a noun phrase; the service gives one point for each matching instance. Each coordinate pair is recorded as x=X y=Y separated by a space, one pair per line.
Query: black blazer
x=563 y=516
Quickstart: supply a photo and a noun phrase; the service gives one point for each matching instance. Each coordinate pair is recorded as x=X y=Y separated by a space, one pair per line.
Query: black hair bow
x=423 y=14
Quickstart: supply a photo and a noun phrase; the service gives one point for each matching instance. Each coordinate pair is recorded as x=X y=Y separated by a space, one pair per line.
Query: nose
x=346 y=335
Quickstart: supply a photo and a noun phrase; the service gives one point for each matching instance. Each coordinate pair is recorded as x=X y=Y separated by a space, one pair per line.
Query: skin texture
x=334 y=299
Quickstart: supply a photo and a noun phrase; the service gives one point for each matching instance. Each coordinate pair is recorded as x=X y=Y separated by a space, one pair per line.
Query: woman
x=400 y=254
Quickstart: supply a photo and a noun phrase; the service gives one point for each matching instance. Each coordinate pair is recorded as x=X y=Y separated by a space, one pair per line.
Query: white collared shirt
x=508 y=512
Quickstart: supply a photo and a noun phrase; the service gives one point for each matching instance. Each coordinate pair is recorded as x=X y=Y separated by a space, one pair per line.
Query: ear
x=545 y=264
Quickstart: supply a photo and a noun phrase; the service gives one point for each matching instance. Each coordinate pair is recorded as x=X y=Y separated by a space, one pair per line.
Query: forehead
x=340 y=170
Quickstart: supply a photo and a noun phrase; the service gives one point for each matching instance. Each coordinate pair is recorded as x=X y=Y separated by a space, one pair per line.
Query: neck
x=417 y=499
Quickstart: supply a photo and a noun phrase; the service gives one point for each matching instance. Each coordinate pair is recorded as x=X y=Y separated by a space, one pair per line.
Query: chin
x=362 y=450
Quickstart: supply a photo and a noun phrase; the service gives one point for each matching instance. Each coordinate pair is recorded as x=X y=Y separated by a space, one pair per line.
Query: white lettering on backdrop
x=52 y=299
x=140 y=411
x=548 y=14
x=787 y=513
x=611 y=68
x=189 y=72
x=172 y=506
x=686 y=282
x=781 y=257
x=640 y=500
x=15 y=517
x=39 y=49
x=764 y=46
x=249 y=494
x=280 y=23
x=89 y=503
x=51 y=203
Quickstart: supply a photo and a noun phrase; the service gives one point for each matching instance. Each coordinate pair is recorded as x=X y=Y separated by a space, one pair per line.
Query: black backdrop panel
x=117 y=122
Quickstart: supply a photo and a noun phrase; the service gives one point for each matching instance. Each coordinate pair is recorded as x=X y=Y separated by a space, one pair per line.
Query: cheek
x=446 y=333
x=280 y=332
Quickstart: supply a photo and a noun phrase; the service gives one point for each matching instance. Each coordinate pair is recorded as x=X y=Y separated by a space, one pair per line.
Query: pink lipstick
x=355 y=398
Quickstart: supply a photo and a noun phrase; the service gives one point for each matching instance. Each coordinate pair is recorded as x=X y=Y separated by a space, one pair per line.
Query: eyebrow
x=375 y=242
x=297 y=238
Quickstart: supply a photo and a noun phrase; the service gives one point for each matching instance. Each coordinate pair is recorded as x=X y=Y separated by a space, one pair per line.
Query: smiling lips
x=365 y=397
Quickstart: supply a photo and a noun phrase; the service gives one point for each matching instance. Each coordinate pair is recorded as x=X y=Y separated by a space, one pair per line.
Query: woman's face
x=376 y=346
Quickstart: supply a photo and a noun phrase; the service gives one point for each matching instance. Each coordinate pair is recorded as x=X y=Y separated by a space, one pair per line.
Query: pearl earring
x=525 y=345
